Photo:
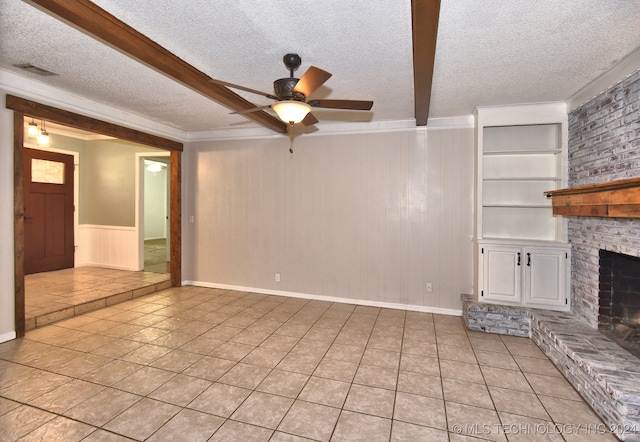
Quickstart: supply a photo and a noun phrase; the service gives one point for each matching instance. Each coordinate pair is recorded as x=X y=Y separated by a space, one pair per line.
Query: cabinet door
x=501 y=273
x=545 y=276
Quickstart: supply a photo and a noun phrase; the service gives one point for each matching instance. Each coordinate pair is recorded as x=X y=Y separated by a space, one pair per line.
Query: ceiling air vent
x=35 y=69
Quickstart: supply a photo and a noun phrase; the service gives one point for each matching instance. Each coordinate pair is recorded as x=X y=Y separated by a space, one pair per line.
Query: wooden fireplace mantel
x=619 y=199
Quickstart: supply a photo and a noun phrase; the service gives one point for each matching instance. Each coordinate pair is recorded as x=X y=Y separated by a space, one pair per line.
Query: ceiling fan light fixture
x=291 y=111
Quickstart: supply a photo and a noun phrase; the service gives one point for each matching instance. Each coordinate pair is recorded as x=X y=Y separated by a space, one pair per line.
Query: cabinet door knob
x=528 y=259
x=518 y=258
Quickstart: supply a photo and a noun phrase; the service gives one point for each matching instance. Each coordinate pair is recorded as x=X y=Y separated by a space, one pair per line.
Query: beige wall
x=369 y=217
x=109 y=176
x=106 y=178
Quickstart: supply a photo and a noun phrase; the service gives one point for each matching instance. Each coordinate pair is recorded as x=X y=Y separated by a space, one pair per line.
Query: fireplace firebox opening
x=619 y=299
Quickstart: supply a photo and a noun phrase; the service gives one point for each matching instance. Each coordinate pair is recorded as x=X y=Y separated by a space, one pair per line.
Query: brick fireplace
x=604 y=146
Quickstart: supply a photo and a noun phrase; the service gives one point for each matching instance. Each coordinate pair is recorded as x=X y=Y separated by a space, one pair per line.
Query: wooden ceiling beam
x=424 y=19
x=39 y=111
x=98 y=23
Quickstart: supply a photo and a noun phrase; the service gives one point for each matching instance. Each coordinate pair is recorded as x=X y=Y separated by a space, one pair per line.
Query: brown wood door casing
x=22 y=108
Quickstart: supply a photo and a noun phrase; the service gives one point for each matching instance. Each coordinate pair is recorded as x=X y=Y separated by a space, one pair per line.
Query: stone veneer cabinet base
x=605 y=375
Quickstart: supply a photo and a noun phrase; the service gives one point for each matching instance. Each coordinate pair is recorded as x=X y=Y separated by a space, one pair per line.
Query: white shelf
x=523 y=152
x=520 y=178
x=521 y=222
x=489 y=240
x=533 y=137
x=518 y=192
x=519 y=206
x=520 y=166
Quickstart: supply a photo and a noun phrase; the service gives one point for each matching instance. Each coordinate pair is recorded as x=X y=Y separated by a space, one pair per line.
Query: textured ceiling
x=488 y=52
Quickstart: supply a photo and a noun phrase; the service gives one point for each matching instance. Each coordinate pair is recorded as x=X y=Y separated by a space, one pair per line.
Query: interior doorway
x=154 y=193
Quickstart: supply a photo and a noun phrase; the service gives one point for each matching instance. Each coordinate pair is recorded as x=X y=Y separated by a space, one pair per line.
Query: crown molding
x=463 y=121
x=629 y=65
x=34 y=90
x=45 y=94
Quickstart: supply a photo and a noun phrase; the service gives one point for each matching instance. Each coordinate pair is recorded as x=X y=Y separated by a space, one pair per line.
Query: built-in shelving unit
x=520 y=163
x=522 y=252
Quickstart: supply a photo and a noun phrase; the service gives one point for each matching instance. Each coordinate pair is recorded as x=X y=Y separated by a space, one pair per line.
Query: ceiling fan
x=293 y=105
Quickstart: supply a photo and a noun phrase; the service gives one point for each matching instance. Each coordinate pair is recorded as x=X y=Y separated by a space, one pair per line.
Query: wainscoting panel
x=107 y=246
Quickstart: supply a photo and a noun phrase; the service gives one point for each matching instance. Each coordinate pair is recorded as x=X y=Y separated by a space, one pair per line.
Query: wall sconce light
x=43 y=137
x=32 y=130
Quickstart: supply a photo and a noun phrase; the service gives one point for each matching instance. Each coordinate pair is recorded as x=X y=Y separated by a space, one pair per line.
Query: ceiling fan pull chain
x=289 y=128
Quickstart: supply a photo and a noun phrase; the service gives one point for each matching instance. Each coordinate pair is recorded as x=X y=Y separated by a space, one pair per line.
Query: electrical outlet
x=277 y=277
x=429 y=287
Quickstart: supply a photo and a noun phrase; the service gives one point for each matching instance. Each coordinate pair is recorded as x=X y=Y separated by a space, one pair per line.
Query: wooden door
x=48 y=211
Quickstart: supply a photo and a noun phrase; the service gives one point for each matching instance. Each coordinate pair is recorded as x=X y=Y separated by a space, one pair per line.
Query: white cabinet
x=532 y=275
x=521 y=152
x=501 y=279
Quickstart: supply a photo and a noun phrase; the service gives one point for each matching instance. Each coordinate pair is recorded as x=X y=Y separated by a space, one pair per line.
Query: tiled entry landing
x=203 y=364
x=62 y=294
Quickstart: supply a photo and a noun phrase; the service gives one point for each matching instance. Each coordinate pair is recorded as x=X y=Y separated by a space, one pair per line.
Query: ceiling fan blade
x=342 y=104
x=309 y=119
x=243 y=88
x=311 y=80
x=253 y=109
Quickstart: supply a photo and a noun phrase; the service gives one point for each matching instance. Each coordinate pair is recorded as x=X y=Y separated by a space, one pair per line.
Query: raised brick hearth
x=605 y=375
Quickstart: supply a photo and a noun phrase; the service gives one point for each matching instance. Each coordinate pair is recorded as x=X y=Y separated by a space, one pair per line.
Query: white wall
x=370 y=217
x=7 y=304
x=155 y=204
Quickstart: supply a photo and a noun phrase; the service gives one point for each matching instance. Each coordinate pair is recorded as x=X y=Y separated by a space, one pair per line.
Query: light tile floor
x=155 y=255
x=51 y=296
x=196 y=364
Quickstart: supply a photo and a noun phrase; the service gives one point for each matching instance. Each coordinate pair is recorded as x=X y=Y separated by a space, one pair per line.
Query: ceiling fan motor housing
x=284 y=89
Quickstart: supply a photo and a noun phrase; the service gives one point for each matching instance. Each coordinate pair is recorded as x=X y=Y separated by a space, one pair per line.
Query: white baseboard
x=8 y=336
x=409 y=307
x=107 y=266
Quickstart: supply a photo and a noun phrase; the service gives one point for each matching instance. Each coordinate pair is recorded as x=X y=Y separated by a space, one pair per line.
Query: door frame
x=76 y=187
x=139 y=222
x=27 y=108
